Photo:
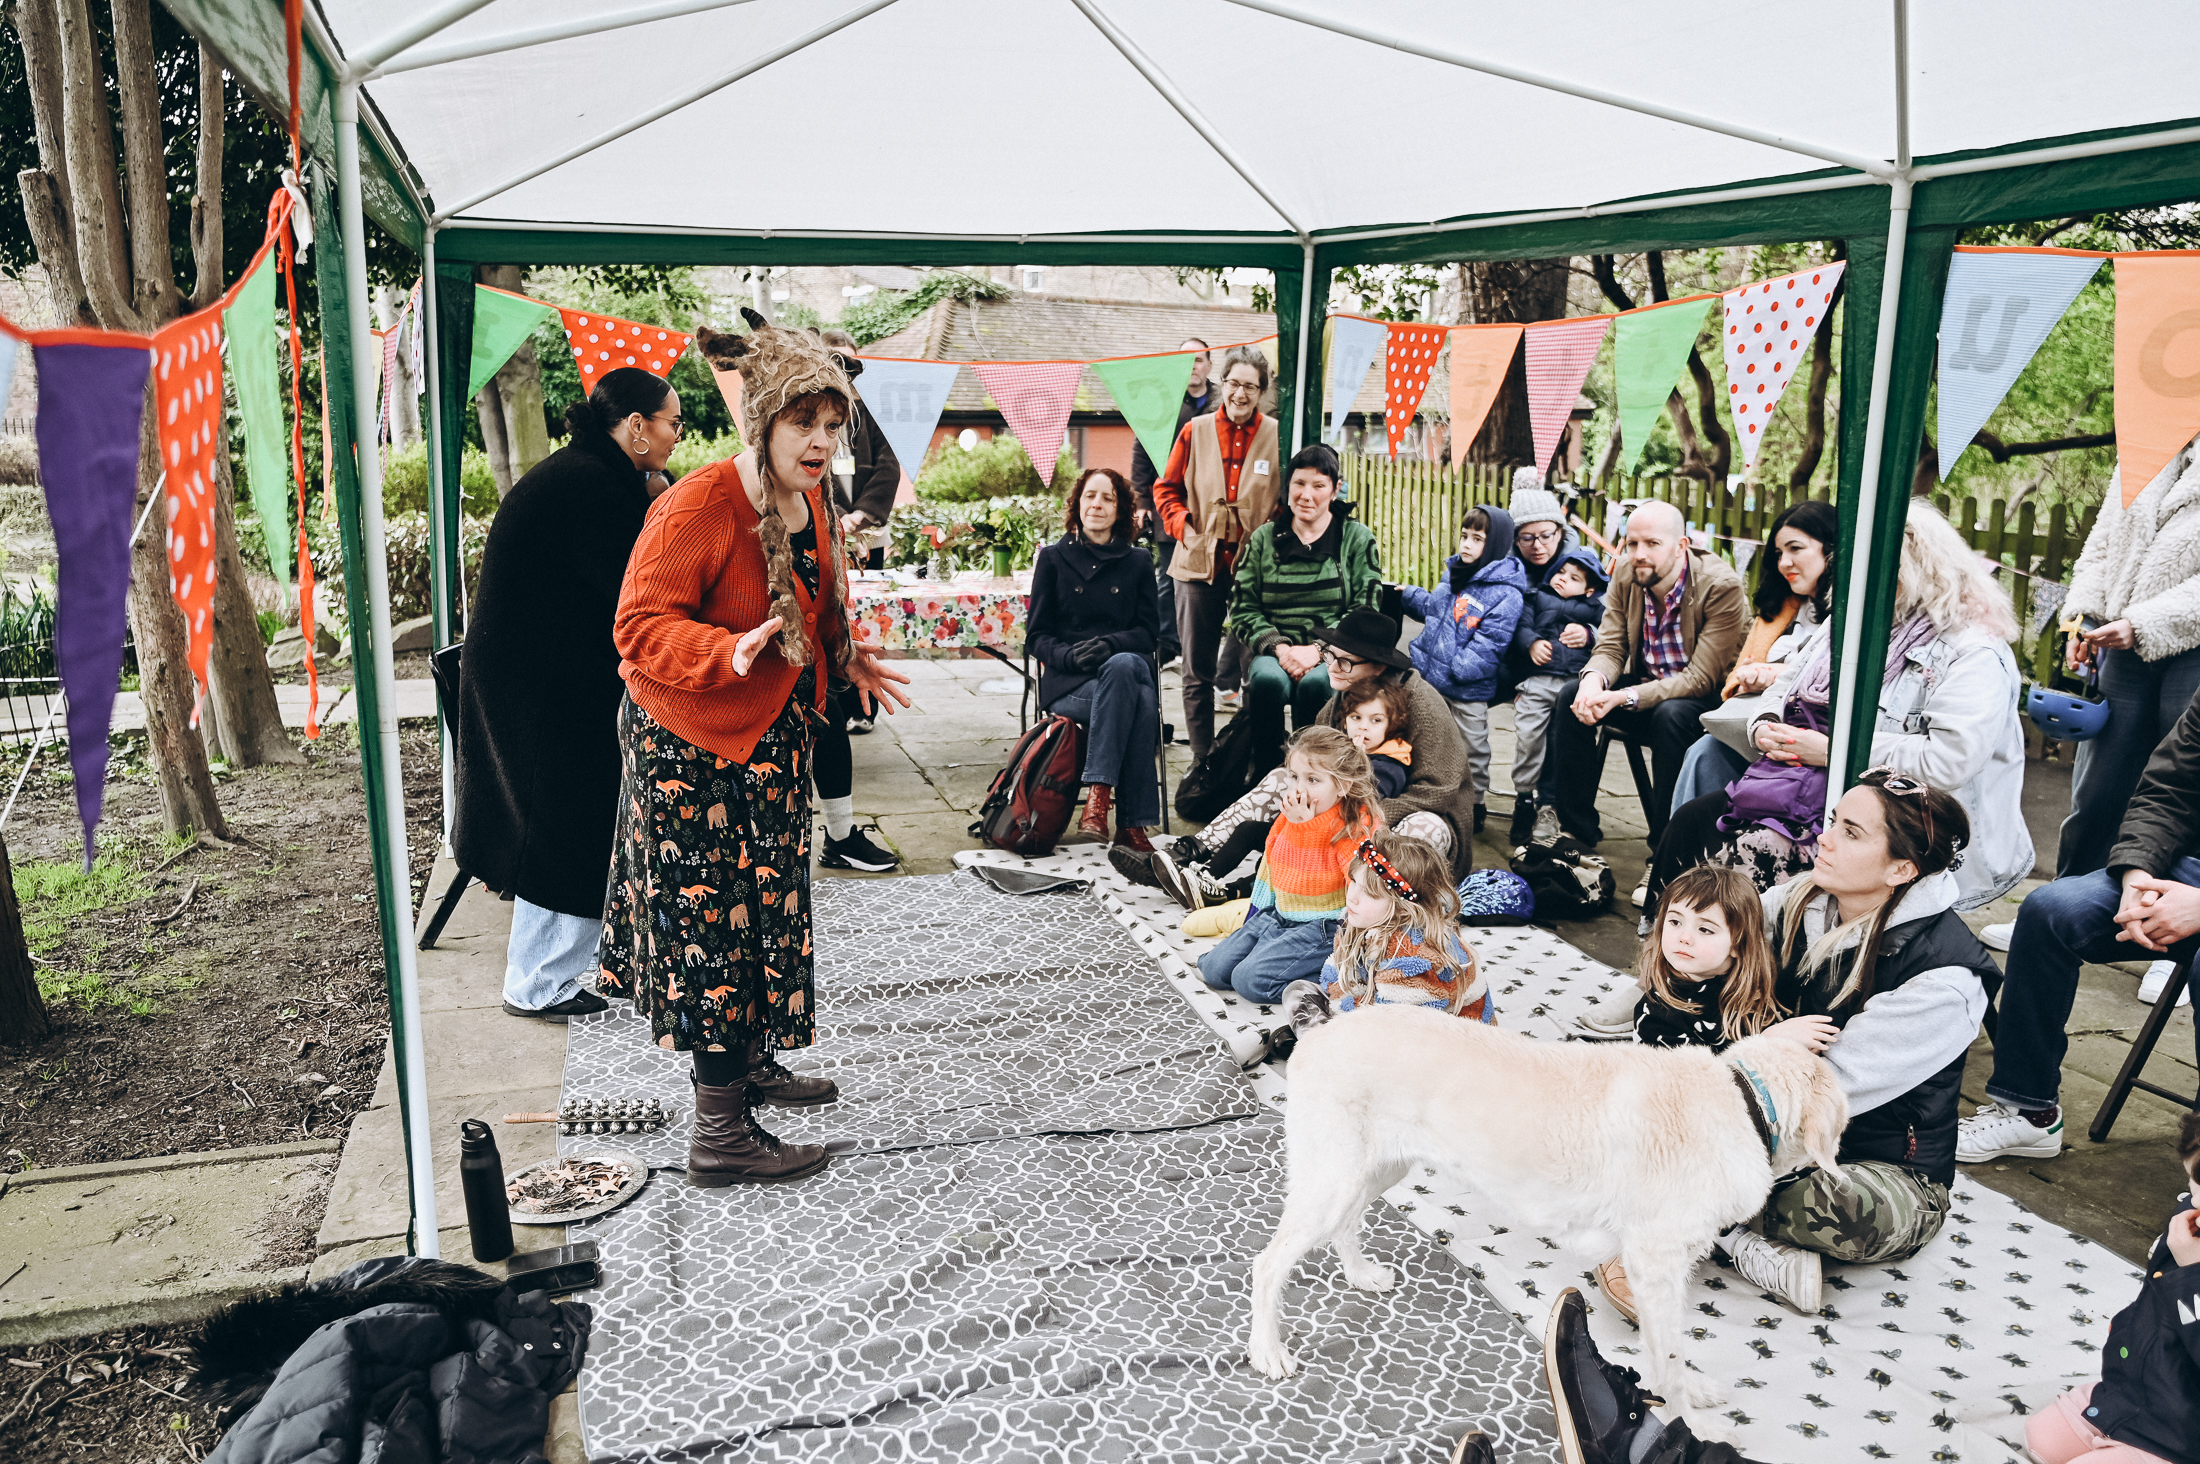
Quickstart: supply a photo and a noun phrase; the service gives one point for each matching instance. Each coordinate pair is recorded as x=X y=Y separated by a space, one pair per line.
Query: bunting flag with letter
x=188 y=419
x=1648 y=347
x=1481 y=358
x=1407 y=361
x=605 y=343
x=91 y=404
x=905 y=398
x=1767 y=326
x=1560 y=353
x=249 y=321
x=2157 y=363
x=502 y=320
x=1035 y=397
x=2000 y=306
x=1149 y=390
x=1353 y=346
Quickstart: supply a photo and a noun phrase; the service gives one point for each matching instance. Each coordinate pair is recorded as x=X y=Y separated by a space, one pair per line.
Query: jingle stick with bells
x=601 y=1116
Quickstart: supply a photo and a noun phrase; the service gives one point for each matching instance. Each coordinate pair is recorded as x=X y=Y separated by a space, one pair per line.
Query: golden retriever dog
x=1646 y=1153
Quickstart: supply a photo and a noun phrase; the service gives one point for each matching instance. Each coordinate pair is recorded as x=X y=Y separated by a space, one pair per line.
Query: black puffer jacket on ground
x=395 y=1359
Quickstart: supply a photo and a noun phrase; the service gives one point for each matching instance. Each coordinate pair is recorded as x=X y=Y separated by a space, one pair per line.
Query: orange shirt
x=696 y=583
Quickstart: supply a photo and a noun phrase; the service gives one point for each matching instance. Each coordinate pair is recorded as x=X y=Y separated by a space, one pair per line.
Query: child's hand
x=1576 y=636
x=1815 y=1033
x=1297 y=807
x=2184 y=1246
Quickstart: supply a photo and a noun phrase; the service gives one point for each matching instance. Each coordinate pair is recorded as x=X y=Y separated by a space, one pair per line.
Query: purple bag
x=1787 y=798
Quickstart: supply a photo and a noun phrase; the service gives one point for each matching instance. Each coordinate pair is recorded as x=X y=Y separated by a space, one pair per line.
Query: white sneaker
x=1996 y=937
x=1997 y=1131
x=1789 y=1272
x=1612 y=1017
x=1642 y=893
x=1229 y=701
x=2156 y=978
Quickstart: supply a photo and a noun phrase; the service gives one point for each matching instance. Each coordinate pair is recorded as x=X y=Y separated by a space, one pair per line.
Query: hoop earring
x=641 y=448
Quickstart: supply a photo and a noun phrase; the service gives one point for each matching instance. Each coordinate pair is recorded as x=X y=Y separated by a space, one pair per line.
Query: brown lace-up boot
x=730 y=1147
x=1095 y=822
x=773 y=1084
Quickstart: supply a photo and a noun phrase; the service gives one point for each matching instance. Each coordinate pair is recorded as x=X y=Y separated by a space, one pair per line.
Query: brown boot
x=1095 y=822
x=730 y=1147
x=773 y=1084
x=1131 y=836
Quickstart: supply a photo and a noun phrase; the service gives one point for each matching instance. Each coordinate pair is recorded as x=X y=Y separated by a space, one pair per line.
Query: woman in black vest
x=1888 y=984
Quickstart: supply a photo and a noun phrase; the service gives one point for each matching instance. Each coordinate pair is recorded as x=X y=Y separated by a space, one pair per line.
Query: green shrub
x=405 y=536
x=405 y=482
x=696 y=451
x=999 y=468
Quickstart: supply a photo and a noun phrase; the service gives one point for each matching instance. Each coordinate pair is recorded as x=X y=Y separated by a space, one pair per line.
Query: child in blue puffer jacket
x=1571 y=595
x=1468 y=623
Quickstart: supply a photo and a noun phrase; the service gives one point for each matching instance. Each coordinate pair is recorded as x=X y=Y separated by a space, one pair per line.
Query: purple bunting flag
x=91 y=405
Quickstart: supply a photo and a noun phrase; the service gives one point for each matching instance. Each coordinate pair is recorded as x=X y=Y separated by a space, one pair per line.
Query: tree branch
x=1600 y=266
x=1656 y=260
x=1814 y=403
x=1715 y=463
x=49 y=224
x=145 y=162
x=95 y=195
x=206 y=203
x=46 y=188
x=2001 y=451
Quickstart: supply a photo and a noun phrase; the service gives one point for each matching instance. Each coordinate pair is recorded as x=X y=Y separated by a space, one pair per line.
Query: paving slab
x=146 y=1241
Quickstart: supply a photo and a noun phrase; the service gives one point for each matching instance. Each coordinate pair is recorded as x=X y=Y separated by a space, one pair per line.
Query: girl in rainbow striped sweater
x=1329 y=806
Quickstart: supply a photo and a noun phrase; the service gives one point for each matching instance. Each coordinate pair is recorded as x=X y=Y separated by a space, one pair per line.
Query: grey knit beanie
x=1532 y=505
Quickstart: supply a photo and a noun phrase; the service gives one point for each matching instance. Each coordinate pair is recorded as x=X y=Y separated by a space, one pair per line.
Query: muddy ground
x=202 y=998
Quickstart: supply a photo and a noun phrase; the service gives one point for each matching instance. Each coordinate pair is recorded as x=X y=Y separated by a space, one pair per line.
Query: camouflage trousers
x=1872 y=1212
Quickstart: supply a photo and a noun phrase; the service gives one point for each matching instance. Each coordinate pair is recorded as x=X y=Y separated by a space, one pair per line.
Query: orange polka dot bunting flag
x=605 y=343
x=187 y=406
x=1407 y=362
x=1767 y=326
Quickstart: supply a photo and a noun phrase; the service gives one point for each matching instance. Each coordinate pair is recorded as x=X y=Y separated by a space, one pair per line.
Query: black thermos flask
x=481 y=1171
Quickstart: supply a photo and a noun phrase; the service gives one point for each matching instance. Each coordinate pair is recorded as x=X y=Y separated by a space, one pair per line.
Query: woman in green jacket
x=1300 y=572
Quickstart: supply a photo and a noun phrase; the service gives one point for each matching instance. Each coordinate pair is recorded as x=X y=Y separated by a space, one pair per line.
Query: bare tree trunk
x=242 y=720
x=405 y=428
x=1814 y=407
x=489 y=408
x=95 y=195
x=23 y=1018
x=46 y=188
x=165 y=684
x=153 y=291
x=513 y=429
x=1512 y=290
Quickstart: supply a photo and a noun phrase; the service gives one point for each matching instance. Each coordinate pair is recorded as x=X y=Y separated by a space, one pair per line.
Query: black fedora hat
x=1369 y=634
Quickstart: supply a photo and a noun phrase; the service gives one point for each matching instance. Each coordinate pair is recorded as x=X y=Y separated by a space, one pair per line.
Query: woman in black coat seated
x=539 y=688
x=1094 y=623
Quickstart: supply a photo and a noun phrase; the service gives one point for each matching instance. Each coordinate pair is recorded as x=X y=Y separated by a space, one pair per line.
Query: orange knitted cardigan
x=696 y=583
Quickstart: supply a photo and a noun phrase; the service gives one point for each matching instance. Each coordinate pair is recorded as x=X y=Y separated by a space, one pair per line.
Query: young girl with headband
x=1401 y=941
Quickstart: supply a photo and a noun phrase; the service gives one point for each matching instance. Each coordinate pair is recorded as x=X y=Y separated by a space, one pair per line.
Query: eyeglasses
x=1549 y=536
x=679 y=427
x=1332 y=656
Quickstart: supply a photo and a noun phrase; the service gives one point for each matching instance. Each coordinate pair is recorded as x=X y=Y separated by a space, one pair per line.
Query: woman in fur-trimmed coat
x=2139 y=578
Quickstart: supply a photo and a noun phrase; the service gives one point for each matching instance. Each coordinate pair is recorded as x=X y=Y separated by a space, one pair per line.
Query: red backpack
x=1030 y=801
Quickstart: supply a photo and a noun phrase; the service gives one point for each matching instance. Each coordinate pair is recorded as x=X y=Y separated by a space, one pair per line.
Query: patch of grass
x=55 y=894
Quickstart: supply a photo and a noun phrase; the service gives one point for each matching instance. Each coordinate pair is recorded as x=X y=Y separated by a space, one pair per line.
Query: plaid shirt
x=1664 y=653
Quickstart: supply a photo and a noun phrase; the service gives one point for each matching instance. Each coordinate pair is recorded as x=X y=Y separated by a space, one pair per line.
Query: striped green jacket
x=1281 y=598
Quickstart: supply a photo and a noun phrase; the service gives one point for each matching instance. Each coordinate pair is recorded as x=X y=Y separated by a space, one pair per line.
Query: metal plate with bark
x=577 y=1184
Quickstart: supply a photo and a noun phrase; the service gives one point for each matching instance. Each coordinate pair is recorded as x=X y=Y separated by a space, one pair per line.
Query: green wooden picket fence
x=1415 y=507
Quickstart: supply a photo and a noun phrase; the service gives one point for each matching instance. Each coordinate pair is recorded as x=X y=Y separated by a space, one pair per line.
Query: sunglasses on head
x=1900 y=784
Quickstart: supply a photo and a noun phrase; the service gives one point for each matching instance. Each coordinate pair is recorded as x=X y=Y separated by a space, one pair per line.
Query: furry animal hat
x=779 y=366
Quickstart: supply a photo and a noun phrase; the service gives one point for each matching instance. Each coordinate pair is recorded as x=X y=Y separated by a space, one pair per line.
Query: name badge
x=1260 y=467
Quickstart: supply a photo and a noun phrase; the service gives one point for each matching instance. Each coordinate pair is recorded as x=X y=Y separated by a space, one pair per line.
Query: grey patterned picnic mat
x=949 y=1013
x=1067 y=1298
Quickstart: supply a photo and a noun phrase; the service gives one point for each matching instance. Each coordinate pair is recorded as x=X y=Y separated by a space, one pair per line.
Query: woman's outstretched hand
x=750 y=646
x=1815 y=1033
x=873 y=680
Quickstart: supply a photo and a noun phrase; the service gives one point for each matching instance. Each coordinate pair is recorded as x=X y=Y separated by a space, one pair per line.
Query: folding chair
x=1027 y=702
x=2142 y=1048
x=1645 y=788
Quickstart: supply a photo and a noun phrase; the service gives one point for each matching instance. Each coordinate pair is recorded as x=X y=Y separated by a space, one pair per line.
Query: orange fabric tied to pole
x=279 y=217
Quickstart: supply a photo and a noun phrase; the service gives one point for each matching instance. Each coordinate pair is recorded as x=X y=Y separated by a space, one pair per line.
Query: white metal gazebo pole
x=366 y=370
x=443 y=527
x=1306 y=334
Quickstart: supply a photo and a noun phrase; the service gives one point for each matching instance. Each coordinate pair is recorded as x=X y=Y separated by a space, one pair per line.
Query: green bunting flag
x=1648 y=349
x=250 y=324
x=502 y=321
x=1148 y=390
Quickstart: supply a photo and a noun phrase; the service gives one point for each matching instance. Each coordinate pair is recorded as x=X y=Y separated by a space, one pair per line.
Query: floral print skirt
x=707 y=918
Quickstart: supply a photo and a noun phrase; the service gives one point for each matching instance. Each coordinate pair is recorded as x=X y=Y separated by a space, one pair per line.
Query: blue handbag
x=2067 y=717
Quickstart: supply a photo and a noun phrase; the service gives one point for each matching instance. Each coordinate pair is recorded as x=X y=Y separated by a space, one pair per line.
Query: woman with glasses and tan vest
x=1223 y=481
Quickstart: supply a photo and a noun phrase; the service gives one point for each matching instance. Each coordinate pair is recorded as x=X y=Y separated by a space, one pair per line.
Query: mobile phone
x=559 y=1269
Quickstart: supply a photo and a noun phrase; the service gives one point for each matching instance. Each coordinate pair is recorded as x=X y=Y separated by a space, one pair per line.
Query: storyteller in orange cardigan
x=733 y=612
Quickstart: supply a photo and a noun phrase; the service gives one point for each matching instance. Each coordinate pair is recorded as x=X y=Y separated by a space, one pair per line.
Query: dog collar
x=1762 y=1111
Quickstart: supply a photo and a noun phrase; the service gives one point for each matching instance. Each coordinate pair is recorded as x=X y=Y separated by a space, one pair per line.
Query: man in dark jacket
x=2147 y=900
x=1197 y=399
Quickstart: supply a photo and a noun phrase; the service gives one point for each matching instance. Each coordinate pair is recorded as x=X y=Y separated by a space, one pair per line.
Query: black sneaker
x=1185 y=849
x=857 y=851
x=1600 y=1407
x=1177 y=883
x=1135 y=865
x=1306 y=1004
x=582 y=1003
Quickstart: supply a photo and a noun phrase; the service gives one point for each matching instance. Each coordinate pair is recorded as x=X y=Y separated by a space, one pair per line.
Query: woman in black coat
x=1093 y=626
x=539 y=688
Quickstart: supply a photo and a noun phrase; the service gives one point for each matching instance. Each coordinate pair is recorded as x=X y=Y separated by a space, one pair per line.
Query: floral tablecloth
x=968 y=615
